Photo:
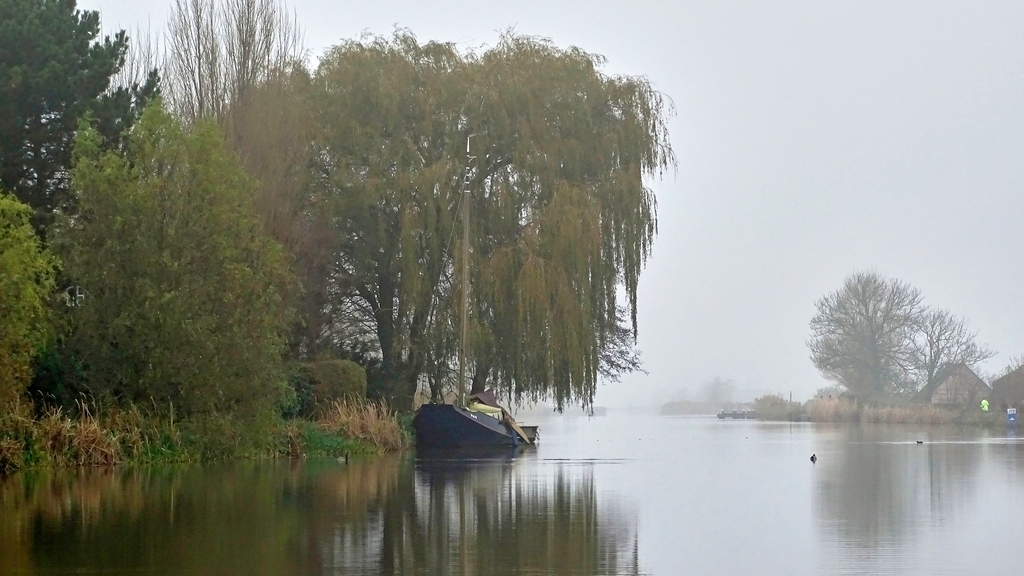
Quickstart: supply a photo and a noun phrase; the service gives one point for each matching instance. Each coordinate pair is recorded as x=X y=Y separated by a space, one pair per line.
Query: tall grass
x=833 y=410
x=81 y=441
x=56 y=438
x=11 y=455
x=371 y=422
x=924 y=414
x=847 y=410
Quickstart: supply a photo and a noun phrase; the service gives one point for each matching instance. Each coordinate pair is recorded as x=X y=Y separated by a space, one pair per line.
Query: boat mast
x=464 y=338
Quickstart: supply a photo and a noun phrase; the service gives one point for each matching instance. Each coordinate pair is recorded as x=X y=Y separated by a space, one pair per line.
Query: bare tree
x=862 y=334
x=260 y=40
x=942 y=340
x=717 y=391
x=146 y=53
x=1015 y=362
x=220 y=51
x=829 y=392
x=620 y=355
x=249 y=42
x=194 y=78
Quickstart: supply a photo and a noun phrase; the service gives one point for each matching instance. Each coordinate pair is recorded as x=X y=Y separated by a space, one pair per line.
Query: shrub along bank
x=774 y=407
x=323 y=413
x=56 y=438
x=168 y=337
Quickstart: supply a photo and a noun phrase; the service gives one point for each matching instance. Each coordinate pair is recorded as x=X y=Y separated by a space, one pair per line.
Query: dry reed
x=926 y=414
x=93 y=444
x=81 y=441
x=833 y=410
x=130 y=429
x=57 y=438
x=846 y=410
x=372 y=422
x=11 y=453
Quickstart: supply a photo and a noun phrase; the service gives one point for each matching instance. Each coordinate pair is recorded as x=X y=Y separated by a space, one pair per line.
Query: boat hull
x=447 y=426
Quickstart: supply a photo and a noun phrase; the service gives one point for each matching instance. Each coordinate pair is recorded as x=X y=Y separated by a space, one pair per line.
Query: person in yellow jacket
x=984 y=405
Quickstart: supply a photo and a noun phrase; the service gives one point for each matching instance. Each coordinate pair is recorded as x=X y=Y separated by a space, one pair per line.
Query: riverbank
x=773 y=407
x=56 y=439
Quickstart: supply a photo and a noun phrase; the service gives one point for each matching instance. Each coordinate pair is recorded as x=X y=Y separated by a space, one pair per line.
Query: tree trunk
x=480 y=371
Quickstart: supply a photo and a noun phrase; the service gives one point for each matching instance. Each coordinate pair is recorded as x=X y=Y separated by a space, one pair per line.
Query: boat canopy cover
x=486 y=398
x=485 y=409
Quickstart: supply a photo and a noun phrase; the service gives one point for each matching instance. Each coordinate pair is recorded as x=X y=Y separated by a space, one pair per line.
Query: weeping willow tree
x=561 y=224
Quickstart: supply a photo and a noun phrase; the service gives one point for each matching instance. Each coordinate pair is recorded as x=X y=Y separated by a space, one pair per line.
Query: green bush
x=185 y=295
x=26 y=280
x=321 y=382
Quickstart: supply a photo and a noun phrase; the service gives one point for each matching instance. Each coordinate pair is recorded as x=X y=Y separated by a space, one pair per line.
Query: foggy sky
x=814 y=139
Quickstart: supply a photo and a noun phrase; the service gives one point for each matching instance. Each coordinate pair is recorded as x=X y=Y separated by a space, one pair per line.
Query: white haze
x=814 y=139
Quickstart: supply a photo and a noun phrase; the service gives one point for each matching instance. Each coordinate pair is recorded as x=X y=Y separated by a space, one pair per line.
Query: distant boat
x=738 y=415
x=483 y=423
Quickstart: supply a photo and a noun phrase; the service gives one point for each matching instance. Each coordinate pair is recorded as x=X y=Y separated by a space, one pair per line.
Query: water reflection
x=713 y=496
x=879 y=487
x=508 y=517
x=383 y=516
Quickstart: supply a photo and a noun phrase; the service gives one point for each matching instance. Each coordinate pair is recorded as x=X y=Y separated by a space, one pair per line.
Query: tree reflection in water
x=381 y=516
x=490 y=516
x=875 y=493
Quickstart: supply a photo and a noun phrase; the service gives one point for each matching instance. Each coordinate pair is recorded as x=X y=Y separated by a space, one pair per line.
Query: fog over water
x=814 y=139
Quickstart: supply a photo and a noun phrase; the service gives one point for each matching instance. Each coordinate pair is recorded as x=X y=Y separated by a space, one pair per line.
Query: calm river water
x=612 y=495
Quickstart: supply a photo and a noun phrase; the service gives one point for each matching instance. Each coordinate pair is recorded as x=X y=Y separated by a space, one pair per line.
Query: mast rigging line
x=463 y=191
x=470 y=159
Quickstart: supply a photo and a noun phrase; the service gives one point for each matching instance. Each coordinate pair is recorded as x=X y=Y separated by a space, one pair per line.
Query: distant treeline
x=688 y=407
x=189 y=225
x=848 y=409
x=712 y=396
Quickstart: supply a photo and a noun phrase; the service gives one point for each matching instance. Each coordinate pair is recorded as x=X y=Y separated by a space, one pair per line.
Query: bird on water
x=814 y=458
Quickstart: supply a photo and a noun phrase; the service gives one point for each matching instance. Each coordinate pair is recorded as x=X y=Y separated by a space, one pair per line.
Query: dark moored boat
x=450 y=426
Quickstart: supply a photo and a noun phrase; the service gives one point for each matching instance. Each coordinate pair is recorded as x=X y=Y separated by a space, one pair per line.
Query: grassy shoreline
x=772 y=407
x=55 y=439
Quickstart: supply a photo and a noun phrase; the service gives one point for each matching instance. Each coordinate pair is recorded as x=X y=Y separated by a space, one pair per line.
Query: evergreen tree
x=52 y=72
